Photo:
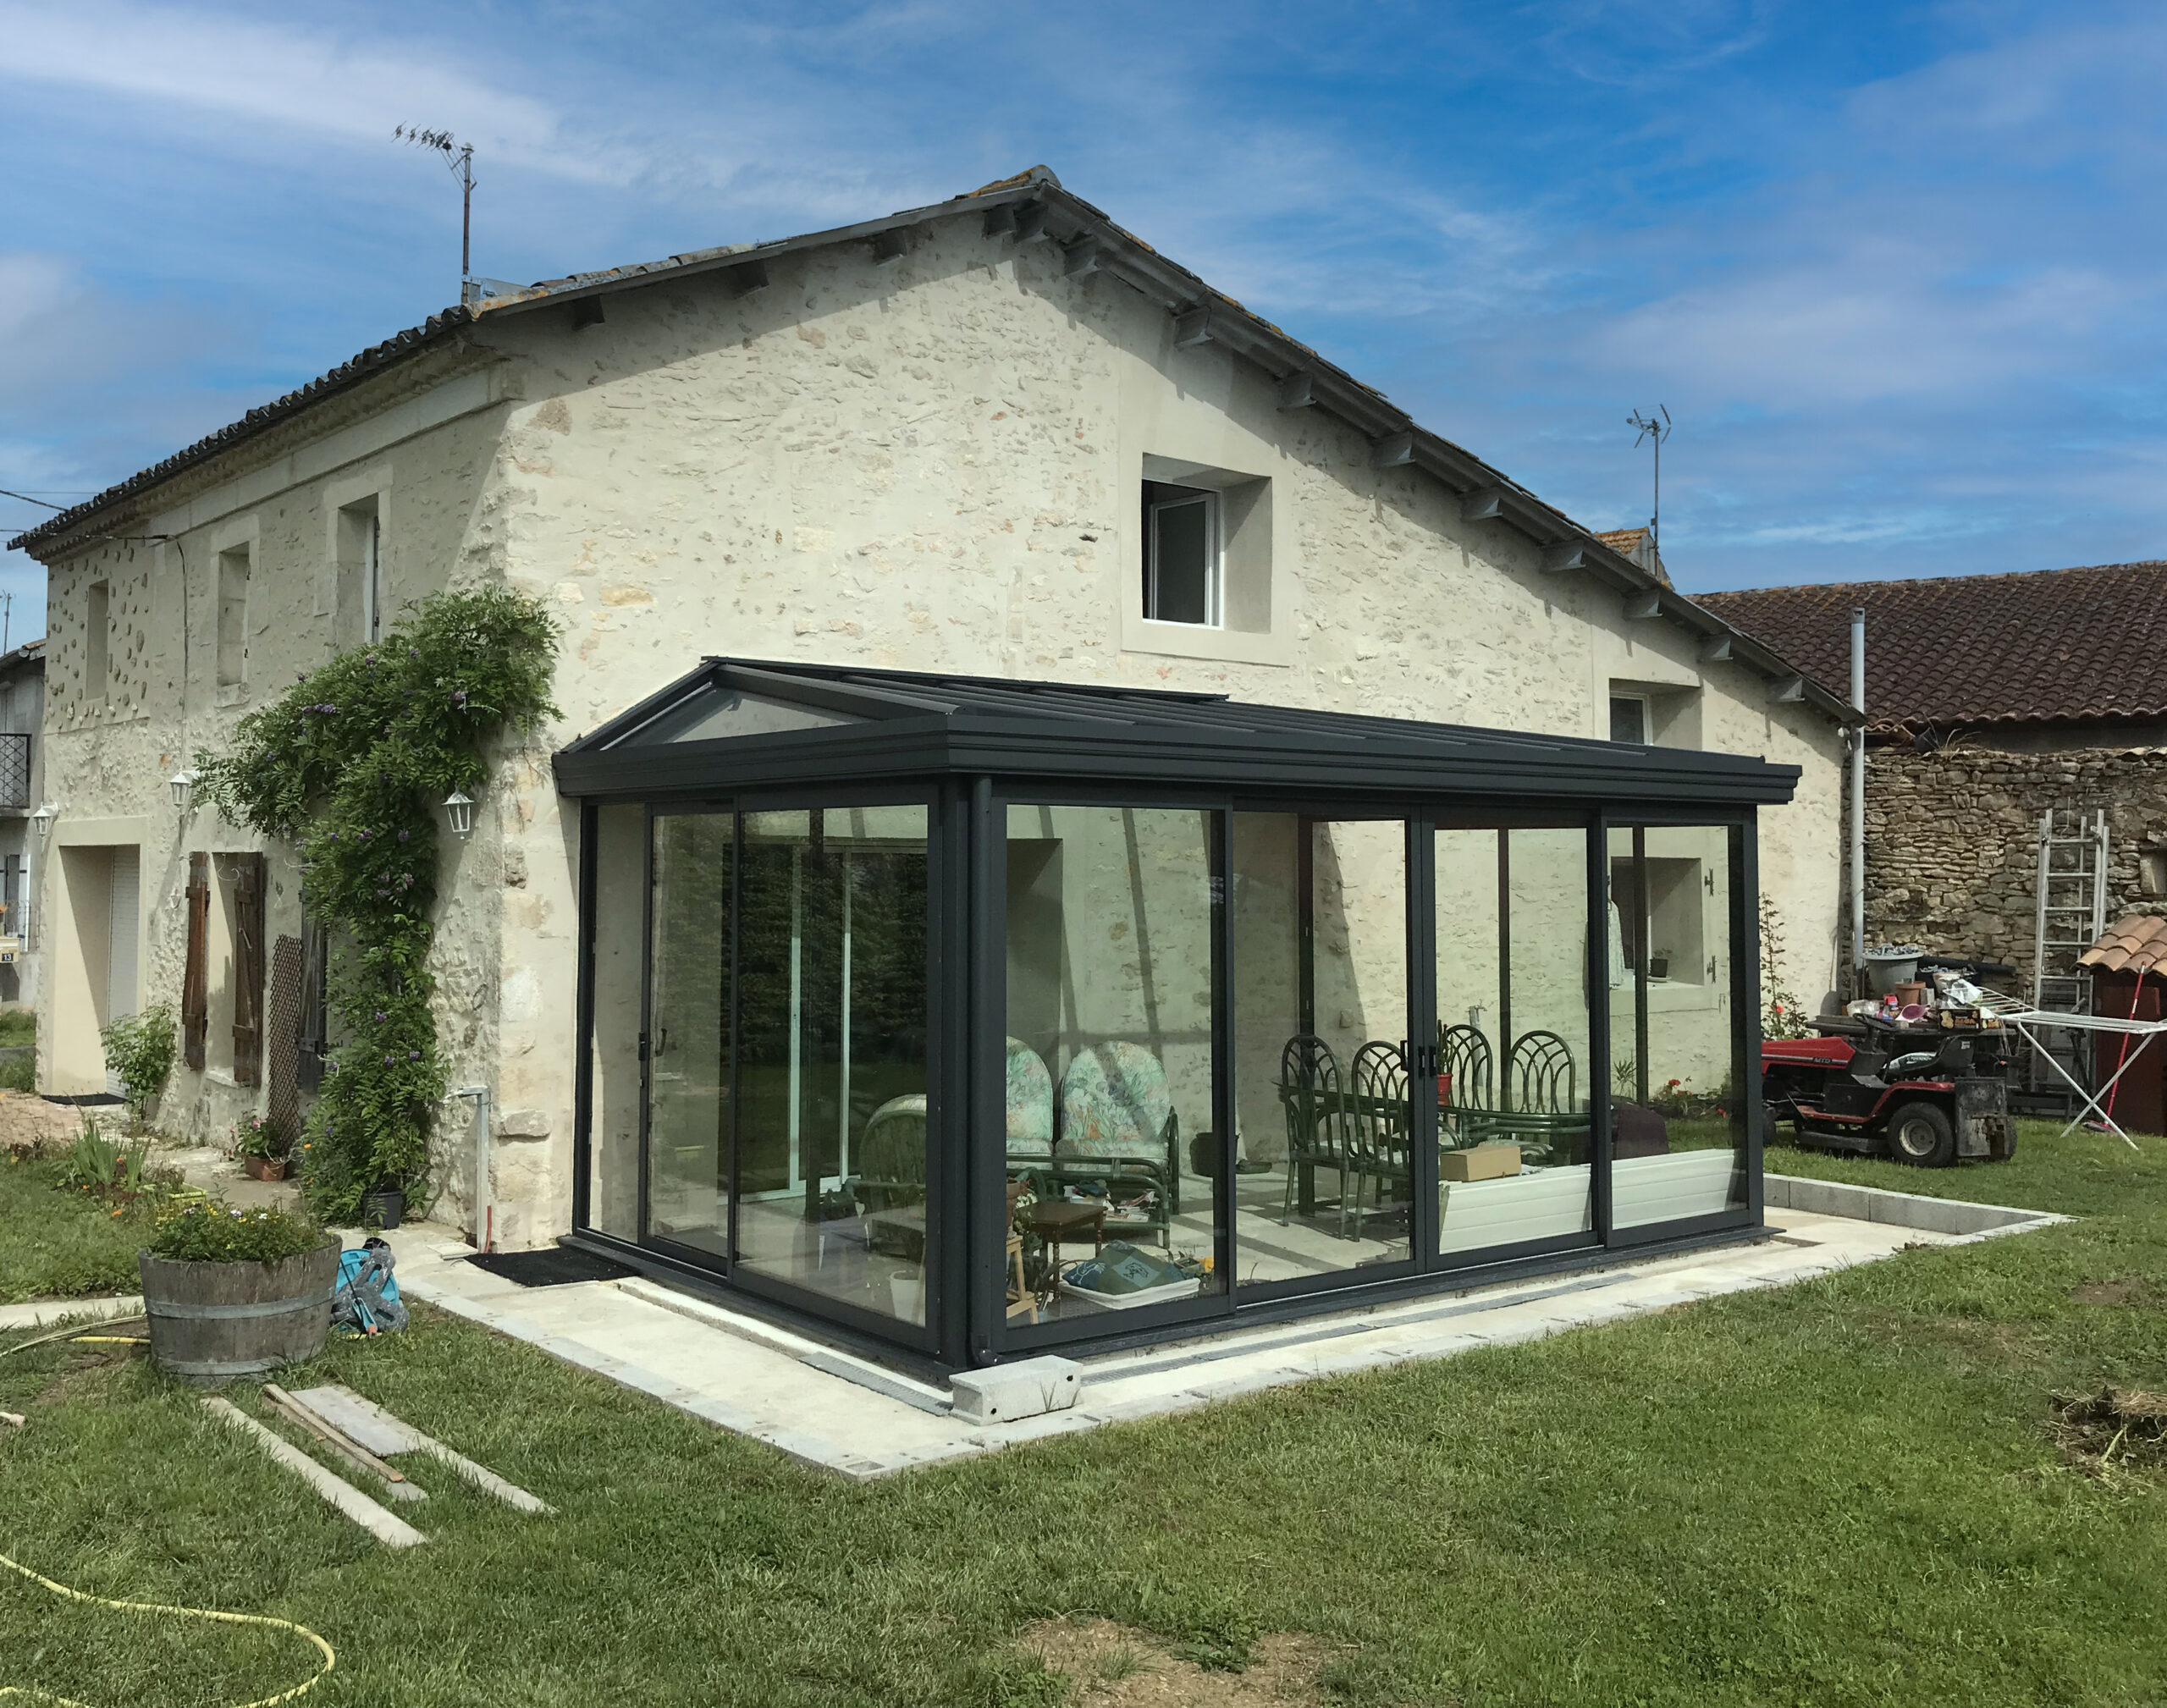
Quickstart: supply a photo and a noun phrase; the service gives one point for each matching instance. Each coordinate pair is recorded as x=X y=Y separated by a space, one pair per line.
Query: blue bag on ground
x=366 y=1301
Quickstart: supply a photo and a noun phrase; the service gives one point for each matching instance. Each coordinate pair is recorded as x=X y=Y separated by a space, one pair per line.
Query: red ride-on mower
x=1919 y=1093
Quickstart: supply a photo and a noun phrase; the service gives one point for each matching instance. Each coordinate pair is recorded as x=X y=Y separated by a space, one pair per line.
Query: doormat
x=558 y=1266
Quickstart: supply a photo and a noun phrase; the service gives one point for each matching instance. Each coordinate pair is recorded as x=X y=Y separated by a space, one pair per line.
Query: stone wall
x=1952 y=841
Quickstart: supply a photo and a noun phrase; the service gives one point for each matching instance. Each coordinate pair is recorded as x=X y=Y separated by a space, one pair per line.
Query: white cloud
x=308 y=82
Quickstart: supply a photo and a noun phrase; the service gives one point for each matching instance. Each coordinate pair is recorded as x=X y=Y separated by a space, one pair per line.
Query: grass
x=56 y=1243
x=1838 y=1492
x=18 y=1036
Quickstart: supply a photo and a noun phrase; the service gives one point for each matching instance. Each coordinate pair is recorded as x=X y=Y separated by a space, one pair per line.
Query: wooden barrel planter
x=211 y=1322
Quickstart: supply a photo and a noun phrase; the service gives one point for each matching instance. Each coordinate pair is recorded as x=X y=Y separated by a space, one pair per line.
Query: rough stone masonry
x=1952 y=841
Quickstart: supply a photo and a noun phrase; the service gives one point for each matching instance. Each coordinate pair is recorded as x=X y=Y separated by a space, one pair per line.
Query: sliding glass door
x=831 y=1053
x=786 y=1045
x=1679 y=1101
x=691 y=872
x=1326 y=1178
x=1514 y=1070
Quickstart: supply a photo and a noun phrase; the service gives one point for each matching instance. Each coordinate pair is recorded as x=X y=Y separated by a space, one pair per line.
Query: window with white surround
x=361 y=614
x=1183 y=556
x=1628 y=719
x=233 y=616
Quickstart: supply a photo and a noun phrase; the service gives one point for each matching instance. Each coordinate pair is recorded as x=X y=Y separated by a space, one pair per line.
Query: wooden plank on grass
x=387 y=1527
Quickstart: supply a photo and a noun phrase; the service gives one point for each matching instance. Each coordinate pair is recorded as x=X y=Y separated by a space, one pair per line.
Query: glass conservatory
x=979 y=1018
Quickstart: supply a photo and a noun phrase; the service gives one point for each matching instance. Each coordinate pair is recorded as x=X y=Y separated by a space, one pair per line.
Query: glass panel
x=1319 y=971
x=1111 y=1067
x=1181 y=560
x=715 y=713
x=1678 y=1129
x=613 y=1201
x=832 y=1052
x=688 y=1032
x=1513 y=1057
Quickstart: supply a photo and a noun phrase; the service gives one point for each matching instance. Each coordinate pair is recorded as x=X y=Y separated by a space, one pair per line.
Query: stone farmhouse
x=997 y=438
x=1991 y=701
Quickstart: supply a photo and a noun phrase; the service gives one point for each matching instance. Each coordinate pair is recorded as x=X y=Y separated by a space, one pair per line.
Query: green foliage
x=61 y=1240
x=1782 y=1014
x=212 y=1233
x=96 y=1164
x=140 y=1049
x=260 y=1136
x=1837 y=1492
x=352 y=764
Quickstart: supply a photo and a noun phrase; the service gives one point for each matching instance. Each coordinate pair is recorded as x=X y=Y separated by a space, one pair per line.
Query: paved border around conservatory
x=827 y=1408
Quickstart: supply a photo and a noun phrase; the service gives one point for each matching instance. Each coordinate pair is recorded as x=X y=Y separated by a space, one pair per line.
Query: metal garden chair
x=1542 y=1112
x=1379 y=1143
x=1314 y=1102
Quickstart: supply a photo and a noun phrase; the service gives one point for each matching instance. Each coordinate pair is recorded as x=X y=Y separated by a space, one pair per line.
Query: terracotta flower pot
x=264 y=1167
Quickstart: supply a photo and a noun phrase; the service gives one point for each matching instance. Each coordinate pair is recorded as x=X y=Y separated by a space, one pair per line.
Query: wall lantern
x=43 y=819
x=458 y=809
x=182 y=783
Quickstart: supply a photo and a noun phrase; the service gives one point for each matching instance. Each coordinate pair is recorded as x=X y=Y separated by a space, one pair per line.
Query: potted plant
x=234 y=1293
x=381 y=1206
x=264 y=1146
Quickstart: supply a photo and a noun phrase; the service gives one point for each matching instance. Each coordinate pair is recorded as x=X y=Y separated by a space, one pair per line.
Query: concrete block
x=1025 y=1389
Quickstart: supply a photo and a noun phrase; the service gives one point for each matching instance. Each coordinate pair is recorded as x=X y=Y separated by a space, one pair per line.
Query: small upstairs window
x=232 y=617
x=98 y=634
x=1182 y=555
x=1628 y=719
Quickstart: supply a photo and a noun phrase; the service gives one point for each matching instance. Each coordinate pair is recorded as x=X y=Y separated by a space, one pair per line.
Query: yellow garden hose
x=330 y=1660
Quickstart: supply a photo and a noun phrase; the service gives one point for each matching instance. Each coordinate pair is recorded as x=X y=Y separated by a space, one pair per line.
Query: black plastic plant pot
x=382 y=1208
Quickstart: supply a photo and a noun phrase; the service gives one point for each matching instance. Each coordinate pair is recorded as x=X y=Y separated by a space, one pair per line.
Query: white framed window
x=1184 y=558
x=372 y=589
x=233 y=616
x=1628 y=719
x=361 y=593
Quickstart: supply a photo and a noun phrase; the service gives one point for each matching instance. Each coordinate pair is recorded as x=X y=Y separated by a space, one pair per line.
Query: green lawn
x=60 y=1244
x=1840 y=1492
x=18 y=1035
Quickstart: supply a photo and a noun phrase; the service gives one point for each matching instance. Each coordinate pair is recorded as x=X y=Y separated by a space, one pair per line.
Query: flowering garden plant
x=350 y=765
x=204 y=1232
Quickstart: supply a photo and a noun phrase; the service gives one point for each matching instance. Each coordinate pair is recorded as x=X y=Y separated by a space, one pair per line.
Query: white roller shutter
x=122 y=925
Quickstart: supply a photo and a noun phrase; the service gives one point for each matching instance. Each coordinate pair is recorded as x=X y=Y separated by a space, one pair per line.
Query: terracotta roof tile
x=2051 y=646
x=2138 y=942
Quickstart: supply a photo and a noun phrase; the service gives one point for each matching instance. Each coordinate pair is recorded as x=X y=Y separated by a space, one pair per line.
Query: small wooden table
x=1061 y=1220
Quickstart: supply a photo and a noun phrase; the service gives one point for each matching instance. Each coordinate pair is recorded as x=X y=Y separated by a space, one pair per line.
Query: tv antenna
x=1658 y=430
x=460 y=157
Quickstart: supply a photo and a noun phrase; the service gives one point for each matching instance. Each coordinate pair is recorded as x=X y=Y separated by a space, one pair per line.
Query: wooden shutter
x=248 y=969
x=195 y=979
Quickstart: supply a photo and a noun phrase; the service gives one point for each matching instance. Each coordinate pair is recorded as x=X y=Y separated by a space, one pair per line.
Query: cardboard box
x=1491 y=1162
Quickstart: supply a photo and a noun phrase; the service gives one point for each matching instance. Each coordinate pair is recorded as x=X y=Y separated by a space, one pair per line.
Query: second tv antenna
x=1658 y=430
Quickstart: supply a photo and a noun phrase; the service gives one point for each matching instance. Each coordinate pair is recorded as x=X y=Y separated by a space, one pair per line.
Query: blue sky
x=1895 y=270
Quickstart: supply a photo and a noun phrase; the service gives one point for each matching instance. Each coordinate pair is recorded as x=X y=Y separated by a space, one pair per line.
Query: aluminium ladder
x=2071 y=916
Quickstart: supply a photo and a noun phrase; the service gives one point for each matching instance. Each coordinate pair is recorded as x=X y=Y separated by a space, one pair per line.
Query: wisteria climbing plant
x=351 y=765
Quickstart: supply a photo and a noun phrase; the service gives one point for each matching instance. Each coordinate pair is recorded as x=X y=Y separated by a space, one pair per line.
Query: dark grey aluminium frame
x=966 y=747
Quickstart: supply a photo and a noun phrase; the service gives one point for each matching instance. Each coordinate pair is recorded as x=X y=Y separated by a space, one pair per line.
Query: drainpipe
x=1858 y=795
x=485 y=1215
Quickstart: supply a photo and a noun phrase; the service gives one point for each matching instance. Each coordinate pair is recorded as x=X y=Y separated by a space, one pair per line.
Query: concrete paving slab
x=848 y=1414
